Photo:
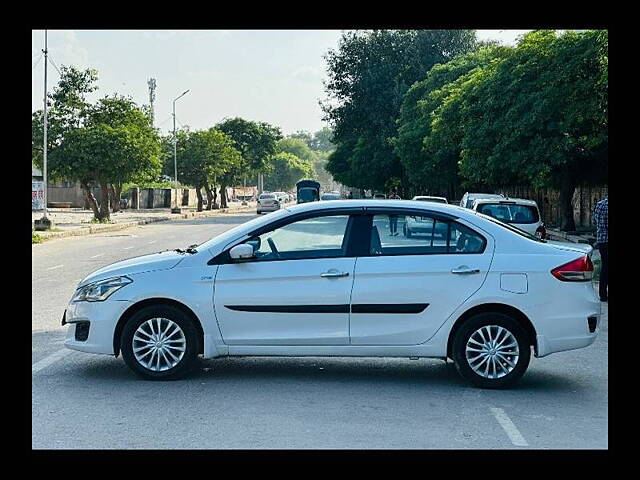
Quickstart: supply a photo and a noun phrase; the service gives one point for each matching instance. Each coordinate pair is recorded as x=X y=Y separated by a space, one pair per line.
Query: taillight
x=578 y=270
x=541 y=232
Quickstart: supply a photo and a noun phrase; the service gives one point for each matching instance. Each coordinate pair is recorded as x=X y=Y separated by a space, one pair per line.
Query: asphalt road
x=92 y=401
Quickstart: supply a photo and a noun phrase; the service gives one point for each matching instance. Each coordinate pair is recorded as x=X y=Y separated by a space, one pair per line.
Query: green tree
x=285 y=170
x=368 y=76
x=431 y=164
x=540 y=116
x=256 y=142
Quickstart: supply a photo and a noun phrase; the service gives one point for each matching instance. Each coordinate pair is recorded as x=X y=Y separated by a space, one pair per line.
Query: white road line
x=99 y=255
x=152 y=242
x=128 y=248
x=45 y=362
x=512 y=431
x=53 y=268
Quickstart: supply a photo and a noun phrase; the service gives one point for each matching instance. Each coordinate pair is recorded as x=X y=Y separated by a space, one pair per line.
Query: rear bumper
x=268 y=208
x=546 y=345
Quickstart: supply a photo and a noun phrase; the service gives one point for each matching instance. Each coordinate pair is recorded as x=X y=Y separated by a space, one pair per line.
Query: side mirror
x=242 y=251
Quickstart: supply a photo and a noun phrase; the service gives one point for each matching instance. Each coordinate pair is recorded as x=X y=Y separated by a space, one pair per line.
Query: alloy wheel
x=492 y=351
x=159 y=344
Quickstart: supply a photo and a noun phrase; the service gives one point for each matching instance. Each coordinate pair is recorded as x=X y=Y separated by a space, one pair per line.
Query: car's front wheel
x=491 y=350
x=160 y=343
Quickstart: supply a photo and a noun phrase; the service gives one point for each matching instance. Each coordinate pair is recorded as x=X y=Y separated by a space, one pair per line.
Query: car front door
x=296 y=289
x=407 y=287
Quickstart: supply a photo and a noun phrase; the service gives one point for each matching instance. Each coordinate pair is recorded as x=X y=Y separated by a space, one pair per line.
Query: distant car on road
x=518 y=212
x=330 y=196
x=468 y=198
x=326 y=279
x=379 y=196
x=268 y=202
x=282 y=197
x=426 y=198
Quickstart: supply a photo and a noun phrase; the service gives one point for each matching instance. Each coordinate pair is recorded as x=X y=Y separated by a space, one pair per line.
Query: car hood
x=132 y=266
x=574 y=247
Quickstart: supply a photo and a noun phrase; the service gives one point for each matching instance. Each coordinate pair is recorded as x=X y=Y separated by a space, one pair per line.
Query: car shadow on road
x=313 y=370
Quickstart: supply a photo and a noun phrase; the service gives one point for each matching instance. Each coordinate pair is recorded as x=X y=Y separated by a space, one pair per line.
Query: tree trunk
x=567 y=187
x=199 y=195
x=114 y=197
x=91 y=200
x=215 y=198
x=223 y=196
x=207 y=189
x=103 y=213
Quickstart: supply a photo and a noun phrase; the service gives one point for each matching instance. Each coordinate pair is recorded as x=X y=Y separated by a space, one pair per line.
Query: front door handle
x=463 y=269
x=334 y=273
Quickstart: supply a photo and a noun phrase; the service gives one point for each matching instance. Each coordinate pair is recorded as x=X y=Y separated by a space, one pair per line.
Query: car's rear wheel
x=160 y=343
x=491 y=350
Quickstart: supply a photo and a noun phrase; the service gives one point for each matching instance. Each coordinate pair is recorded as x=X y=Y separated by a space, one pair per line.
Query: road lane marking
x=45 y=362
x=53 y=268
x=128 y=248
x=152 y=242
x=98 y=255
x=508 y=426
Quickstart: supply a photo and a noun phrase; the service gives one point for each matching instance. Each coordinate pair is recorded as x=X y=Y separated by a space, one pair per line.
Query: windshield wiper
x=190 y=249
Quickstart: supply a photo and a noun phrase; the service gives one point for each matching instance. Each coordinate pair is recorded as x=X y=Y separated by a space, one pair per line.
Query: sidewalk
x=76 y=221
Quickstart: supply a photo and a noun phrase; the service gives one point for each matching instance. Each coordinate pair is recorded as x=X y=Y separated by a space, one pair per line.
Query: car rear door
x=406 y=288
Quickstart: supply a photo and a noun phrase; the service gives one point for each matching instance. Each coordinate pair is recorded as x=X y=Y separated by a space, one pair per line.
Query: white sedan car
x=327 y=279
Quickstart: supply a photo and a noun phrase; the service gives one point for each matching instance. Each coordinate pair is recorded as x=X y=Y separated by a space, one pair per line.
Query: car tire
x=179 y=348
x=483 y=333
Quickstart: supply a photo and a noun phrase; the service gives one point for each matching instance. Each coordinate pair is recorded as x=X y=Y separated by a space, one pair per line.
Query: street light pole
x=44 y=223
x=176 y=208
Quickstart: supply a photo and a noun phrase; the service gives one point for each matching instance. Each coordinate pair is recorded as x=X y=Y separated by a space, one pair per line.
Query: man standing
x=601 y=220
x=393 y=219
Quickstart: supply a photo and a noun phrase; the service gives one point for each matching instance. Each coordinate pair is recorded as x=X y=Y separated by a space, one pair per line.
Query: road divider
x=100 y=228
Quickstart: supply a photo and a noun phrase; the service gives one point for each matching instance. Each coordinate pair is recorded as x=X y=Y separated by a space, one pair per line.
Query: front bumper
x=102 y=318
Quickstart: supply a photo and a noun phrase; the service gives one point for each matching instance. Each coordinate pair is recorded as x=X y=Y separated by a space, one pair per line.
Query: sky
x=273 y=76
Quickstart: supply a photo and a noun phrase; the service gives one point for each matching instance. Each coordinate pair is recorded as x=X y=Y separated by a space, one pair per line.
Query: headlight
x=100 y=290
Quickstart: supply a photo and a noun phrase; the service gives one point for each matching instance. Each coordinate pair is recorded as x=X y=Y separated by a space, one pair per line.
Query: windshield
x=250 y=225
x=307 y=195
x=510 y=213
x=511 y=228
x=267 y=195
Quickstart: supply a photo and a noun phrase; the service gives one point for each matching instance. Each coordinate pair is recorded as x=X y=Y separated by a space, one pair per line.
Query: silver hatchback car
x=268 y=202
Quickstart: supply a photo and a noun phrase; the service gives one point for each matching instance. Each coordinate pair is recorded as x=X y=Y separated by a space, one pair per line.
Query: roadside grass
x=35 y=238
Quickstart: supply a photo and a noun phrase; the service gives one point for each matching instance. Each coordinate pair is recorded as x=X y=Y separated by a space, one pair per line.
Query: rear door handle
x=465 y=270
x=334 y=273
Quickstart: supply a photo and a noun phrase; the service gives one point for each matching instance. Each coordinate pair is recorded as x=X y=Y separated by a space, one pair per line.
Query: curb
x=99 y=228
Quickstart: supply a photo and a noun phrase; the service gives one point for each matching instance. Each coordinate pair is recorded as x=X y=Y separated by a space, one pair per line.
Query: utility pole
x=44 y=223
x=176 y=208
x=152 y=97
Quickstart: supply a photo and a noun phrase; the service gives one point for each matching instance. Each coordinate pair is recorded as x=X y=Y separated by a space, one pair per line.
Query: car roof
x=371 y=202
x=428 y=196
x=517 y=201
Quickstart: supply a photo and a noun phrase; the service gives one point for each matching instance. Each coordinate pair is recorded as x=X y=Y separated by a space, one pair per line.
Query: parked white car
x=330 y=196
x=282 y=197
x=468 y=198
x=268 y=202
x=426 y=198
x=326 y=279
x=518 y=212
